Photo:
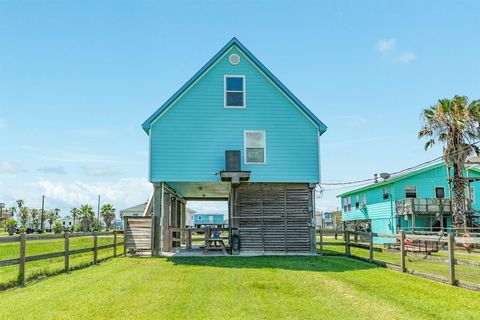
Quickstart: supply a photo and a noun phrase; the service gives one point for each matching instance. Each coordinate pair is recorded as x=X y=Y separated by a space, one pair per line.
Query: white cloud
x=52 y=170
x=122 y=193
x=388 y=49
x=384 y=45
x=11 y=167
x=99 y=171
x=406 y=57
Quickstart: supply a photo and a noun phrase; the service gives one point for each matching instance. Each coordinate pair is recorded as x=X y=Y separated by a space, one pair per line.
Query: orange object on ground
x=467 y=246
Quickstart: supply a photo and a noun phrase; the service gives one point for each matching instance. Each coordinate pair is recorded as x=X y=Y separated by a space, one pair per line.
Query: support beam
x=157 y=219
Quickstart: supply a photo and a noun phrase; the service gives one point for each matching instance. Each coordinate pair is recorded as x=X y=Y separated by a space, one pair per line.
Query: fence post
x=114 y=243
x=402 y=251
x=451 y=259
x=125 y=227
x=321 y=241
x=67 y=251
x=370 y=257
x=21 y=264
x=95 y=248
x=347 y=243
x=189 y=239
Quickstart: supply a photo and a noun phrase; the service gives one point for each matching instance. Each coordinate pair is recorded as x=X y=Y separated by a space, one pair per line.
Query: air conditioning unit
x=232 y=160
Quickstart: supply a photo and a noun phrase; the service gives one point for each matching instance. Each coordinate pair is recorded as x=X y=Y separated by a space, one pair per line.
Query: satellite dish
x=384 y=175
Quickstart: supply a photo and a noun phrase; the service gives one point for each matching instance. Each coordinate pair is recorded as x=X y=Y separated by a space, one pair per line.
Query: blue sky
x=77 y=79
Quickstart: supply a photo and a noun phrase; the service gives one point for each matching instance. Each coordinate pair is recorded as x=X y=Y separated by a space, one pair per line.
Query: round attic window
x=234 y=59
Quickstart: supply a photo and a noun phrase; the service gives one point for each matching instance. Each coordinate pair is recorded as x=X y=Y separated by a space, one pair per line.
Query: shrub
x=57 y=227
x=11 y=226
x=96 y=226
x=77 y=228
x=23 y=229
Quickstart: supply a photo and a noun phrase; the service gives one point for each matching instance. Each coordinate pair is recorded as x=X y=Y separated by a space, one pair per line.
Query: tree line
x=24 y=219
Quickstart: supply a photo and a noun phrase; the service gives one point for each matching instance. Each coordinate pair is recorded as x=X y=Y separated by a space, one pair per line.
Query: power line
x=403 y=171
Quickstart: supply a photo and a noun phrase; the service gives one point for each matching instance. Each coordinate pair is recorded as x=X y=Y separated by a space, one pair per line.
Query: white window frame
x=225 y=91
x=264 y=147
x=416 y=192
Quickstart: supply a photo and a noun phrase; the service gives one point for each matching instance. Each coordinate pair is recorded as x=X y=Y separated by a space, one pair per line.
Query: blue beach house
x=208 y=219
x=234 y=132
x=414 y=201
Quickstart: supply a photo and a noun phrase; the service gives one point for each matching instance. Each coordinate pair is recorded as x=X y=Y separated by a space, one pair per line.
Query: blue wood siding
x=189 y=140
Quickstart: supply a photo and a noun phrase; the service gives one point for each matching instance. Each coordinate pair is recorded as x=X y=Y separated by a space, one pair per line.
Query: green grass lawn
x=238 y=288
x=8 y=275
x=463 y=272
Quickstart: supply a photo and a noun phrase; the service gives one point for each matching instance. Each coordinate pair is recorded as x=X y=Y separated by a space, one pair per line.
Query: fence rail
x=449 y=241
x=23 y=239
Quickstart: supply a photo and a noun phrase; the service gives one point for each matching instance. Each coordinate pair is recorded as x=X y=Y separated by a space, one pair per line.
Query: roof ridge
x=234 y=41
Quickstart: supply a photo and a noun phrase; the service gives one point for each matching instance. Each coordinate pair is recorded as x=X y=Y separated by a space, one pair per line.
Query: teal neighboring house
x=417 y=201
x=208 y=219
x=235 y=133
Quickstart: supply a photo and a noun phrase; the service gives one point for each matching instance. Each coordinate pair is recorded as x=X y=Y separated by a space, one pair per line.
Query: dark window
x=439 y=192
x=234 y=92
x=357 y=202
x=410 y=192
x=386 y=193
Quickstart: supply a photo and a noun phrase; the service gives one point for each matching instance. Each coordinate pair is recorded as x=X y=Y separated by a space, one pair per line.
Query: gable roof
x=137 y=208
x=390 y=181
x=235 y=42
x=401 y=177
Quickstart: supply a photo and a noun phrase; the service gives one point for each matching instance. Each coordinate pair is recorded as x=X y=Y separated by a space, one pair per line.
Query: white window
x=235 y=92
x=254 y=147
x=357 y=202
x=410 y=192
x=345 y=205
x=364 y=200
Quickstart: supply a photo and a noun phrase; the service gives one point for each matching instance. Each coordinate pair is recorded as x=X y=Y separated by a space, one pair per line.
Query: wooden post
x=125 y=222
x=21 y=263
x=347 y=243
x=67 y=251
x=451 y=259
x=189 y=239
x=402 y=251
x=114 y=244
x=370 y=257
x=95 y=256
x=321 y=241
x=413 y=215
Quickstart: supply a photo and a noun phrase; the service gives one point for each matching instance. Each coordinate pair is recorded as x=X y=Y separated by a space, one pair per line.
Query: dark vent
x=232 y=160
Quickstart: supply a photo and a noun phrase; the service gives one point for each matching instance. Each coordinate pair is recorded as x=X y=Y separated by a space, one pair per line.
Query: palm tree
x=13 y=210
x=52 y=217
x=108 y=214
x=454 y=123
x=86 y=215
x=23 y=215
x=34 y=215
x=74 y=212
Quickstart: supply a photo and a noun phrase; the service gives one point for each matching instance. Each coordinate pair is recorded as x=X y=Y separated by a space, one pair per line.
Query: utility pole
x=42 y=218
x=98 y=208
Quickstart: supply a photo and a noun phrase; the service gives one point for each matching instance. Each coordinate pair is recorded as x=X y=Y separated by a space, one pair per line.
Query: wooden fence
x=400 y=244
x=24 y=238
